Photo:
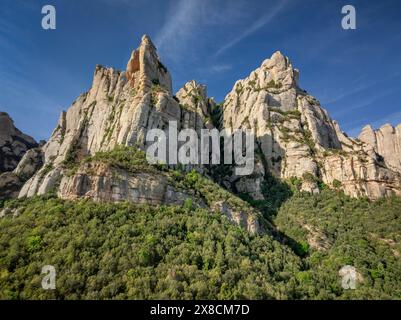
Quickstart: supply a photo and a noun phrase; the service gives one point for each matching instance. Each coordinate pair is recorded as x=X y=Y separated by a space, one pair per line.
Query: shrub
x=337 y=184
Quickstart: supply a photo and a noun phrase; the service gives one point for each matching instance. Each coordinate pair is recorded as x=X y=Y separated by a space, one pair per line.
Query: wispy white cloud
x=361 y=88
x=179 y=26
x=368 y=102
x=217 y=68
x=189 y=34
x=259 y=23
x=191 y=26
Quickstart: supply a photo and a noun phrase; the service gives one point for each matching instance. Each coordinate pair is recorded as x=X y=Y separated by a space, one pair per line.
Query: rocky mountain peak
x=295 y=136
x=192 y=91
x=387 y=127
x=7 y=126
x=386 y=142
x=193 y=84
x=193 y=97
x=144 y=68
x=278 y=60
x=118 y=110
x=145 y=40
x=368 y=128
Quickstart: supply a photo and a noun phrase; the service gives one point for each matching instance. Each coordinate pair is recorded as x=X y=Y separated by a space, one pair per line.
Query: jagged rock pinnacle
x=144 y=68
x=386 y=142
x=293 y=132
x=146 y=40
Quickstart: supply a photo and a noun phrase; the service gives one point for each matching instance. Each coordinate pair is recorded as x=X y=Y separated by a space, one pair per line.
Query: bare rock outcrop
x=119 y=109
x=386 y=142
x=30 y=163
x=18 y=162
x=101 y=182
x=12 y=182
x=13 y=143
x=296 y=137
x=10 y=185
x=196 y=106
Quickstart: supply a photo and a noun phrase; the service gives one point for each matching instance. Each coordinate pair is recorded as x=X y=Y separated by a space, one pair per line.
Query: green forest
x=129 y=251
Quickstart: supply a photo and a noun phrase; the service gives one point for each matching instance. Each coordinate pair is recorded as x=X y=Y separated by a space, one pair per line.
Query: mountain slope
x=115 y=226
x=131 y=251
x=19 y=158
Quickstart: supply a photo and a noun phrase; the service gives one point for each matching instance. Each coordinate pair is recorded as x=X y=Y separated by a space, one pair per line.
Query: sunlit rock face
x=386 y=142
x=119 y=109
x=294 y=135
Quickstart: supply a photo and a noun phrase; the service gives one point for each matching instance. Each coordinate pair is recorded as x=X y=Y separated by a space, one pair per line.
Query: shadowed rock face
x=13 y=143
x=294 y=135
x=20 y=158
x=386 y=142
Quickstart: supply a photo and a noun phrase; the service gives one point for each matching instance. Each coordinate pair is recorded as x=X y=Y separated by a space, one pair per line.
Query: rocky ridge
x=296 y=137
x=119 y=109
x=295 y=140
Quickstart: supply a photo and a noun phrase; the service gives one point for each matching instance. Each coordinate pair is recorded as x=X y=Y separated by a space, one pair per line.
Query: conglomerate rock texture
x=295 y=138
x=119 y=109
x=386 y=142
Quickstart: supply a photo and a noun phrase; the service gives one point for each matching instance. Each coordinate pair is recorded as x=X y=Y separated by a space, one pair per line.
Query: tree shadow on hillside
x=276 y=193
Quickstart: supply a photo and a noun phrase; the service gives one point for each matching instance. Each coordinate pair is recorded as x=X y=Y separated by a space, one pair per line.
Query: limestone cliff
x=12 y=181
x=118 y=110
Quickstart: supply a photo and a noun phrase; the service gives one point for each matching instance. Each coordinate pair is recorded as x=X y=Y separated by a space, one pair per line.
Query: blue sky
x=355 y=74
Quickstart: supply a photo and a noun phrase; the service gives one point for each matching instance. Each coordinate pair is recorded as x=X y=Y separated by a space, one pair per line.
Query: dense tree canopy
x=120 y=251
x=128 y=251
x=346 y=231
